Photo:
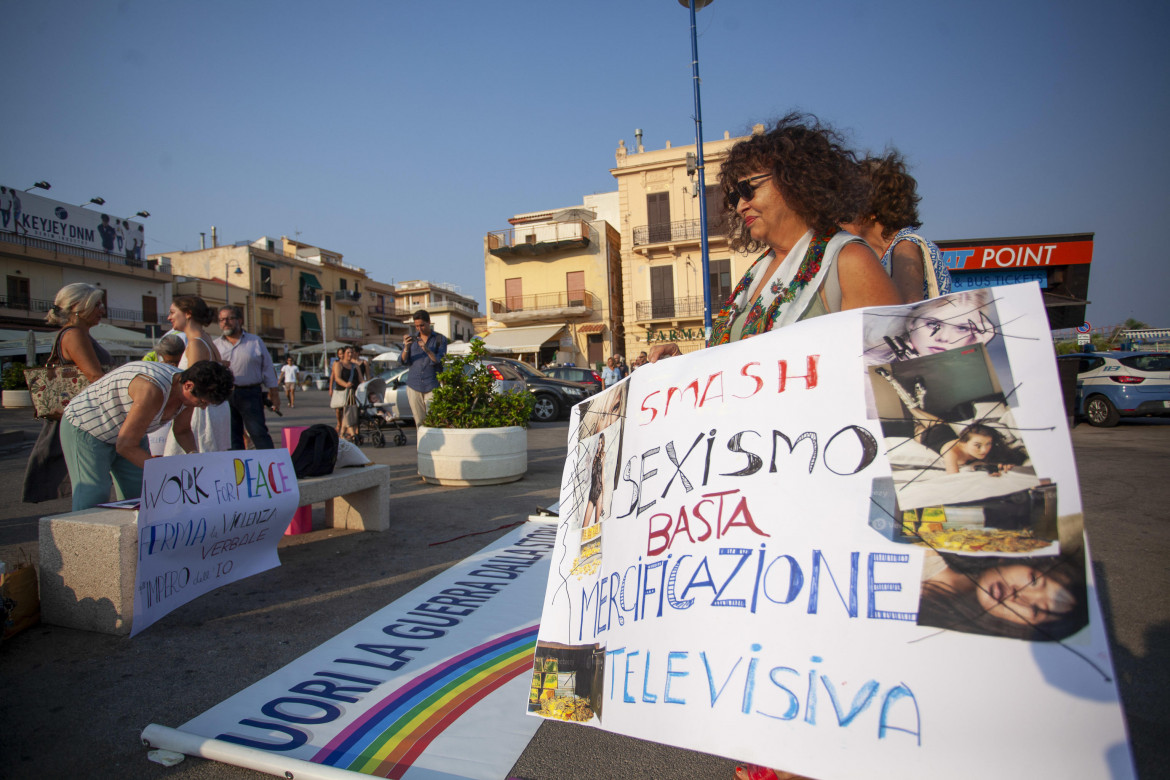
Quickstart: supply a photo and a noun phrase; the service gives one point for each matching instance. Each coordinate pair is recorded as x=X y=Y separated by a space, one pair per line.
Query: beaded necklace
x=809 y=267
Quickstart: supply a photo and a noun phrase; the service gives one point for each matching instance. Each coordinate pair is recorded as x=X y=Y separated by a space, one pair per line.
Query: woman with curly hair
x=889 y=222
x=788 y=191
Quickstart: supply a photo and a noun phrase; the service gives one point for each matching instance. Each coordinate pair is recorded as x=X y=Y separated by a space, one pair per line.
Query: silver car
x=507 y=379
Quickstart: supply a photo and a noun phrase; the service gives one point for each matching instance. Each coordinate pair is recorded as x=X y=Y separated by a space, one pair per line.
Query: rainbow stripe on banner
x=392 y=734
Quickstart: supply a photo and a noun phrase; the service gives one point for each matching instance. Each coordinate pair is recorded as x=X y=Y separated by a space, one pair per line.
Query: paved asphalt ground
x=73 y=703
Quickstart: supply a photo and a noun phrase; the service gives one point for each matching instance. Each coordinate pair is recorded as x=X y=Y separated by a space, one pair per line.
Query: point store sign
x=993 y=254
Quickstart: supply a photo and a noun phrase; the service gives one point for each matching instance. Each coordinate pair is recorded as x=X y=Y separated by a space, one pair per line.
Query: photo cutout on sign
x=567 y=682
x=963 y=481
x=954 y=322
x=1039 y=599
x=603 y=410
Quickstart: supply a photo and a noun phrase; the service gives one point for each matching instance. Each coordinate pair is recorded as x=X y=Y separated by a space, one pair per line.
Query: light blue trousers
x=93 y=465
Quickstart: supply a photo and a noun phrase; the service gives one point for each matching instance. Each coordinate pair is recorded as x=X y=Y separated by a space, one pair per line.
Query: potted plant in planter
x=473 y=435
x=16 y=394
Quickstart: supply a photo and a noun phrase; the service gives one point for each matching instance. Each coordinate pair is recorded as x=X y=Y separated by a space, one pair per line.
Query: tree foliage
x=465 y=397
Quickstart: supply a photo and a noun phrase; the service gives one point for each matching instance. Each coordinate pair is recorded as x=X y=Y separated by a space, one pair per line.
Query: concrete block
x=360 y=496
x=87 y=565
x=88 y=559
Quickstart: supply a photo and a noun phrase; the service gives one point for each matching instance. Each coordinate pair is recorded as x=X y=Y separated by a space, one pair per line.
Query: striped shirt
x=101 y=408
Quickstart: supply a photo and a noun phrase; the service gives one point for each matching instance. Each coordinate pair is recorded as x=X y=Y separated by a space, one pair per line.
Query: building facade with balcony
x=553 y=284
x=293 y=294
x=662 y=272
x=387 y=322
x=137 y=292
x=451 y=311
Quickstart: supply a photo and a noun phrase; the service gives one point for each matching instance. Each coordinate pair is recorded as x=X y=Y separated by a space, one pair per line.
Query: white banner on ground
x=206 y=520
x=431 y=686
x=849 y=547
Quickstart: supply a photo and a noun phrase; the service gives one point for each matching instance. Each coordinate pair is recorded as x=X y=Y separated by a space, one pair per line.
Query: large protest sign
x=849 y=547
x=432 y=685
x=207 y=520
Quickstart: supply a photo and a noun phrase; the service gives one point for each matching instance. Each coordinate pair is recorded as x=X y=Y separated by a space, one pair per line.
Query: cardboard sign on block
x=207 y=520
x=851 y=547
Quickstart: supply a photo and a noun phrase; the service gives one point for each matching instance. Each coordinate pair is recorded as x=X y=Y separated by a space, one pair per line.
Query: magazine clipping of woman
x=998 y=559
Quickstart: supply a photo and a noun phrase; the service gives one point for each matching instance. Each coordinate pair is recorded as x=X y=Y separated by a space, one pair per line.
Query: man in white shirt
x=251 y=366
x=288 y=375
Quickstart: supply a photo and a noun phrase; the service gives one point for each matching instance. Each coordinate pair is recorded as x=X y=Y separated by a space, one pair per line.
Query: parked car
x=554 y=397
x=307 y=379
x=584 y=376
x=508 y=379
x=1112 y=385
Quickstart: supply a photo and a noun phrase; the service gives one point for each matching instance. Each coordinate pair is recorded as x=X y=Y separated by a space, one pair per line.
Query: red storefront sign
x=995 y=254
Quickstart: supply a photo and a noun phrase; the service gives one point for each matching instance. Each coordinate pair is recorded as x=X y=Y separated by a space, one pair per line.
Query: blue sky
x=400 y=133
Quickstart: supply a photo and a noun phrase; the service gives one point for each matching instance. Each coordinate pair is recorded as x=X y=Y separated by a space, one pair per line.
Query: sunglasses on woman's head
x=744 y=189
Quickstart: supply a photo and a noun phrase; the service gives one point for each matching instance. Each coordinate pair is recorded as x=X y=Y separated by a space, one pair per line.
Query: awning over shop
x=591 y=327
x=309 y=321
x=529 y=339
x=329 y=347
x=309 y=280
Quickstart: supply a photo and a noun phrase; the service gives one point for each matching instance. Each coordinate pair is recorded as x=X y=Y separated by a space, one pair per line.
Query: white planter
x=17 y=399
x=472 y=456
x=321 y=383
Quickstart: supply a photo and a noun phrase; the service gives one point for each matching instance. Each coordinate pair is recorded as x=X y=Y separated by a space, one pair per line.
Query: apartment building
x=553 y=282
x=386 y=321
x=451 y=311
x=662 y=268
x=293 y=294
x=57 y=243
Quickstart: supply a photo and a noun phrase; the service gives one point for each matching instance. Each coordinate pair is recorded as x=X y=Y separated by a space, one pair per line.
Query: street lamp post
x=40 y=185
x=692 y=6
x=95 y=201
x=226 y=286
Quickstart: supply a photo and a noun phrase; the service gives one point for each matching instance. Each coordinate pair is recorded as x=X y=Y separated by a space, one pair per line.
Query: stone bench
x=88 y=559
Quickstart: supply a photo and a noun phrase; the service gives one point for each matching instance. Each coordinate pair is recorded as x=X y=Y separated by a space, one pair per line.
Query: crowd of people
x=191 y=394
x=834 y=230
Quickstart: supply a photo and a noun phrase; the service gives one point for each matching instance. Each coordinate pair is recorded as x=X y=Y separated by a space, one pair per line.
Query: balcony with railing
x=135 y=316
x=349 y=333
x=690 y=307
x=387 y=310
x=269 y=289
x=686 y=231
x=24 y=306
x=448 y=305
x=347 y=296
x=532 y=240
x=310 y=335
x=543 y=307
x=309 y=296
x=271 y=332
x=36 y=308
x=57 y=250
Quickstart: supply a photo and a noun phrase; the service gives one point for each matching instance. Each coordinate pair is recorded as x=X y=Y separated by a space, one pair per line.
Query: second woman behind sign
x=212 y=424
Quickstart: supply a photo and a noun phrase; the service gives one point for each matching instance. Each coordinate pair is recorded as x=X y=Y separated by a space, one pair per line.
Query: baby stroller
x=376 y=414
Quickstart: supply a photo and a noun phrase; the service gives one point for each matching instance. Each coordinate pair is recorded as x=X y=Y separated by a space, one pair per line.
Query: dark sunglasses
x=744 y=189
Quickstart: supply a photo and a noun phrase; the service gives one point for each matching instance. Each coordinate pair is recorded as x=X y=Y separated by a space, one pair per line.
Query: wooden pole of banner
x=156 y=736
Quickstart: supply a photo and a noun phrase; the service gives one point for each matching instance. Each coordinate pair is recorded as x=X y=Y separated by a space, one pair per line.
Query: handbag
x=52 y=387
x=337 y=399
x=350 y=418
x=20 y=606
